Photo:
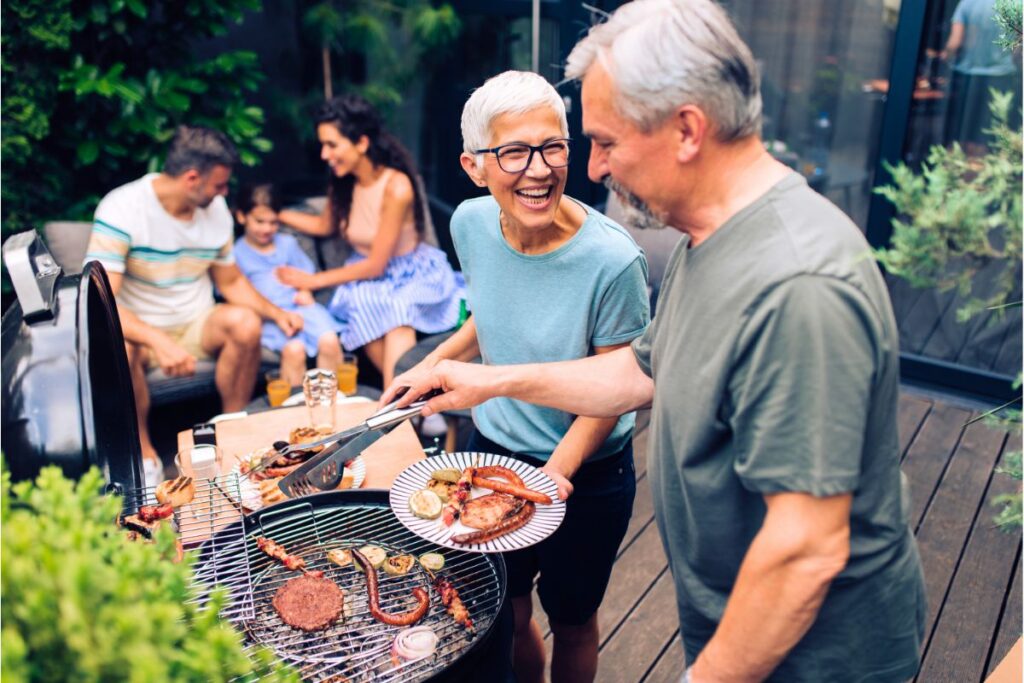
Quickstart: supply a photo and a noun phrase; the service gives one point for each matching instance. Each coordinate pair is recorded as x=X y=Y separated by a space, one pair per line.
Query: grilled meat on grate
x=309 y=602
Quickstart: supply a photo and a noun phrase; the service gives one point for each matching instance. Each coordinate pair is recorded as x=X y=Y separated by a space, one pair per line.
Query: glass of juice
x=278 y=389
x=348 y=373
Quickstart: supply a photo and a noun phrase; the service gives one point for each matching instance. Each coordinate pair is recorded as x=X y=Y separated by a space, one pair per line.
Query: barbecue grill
x=356 y=647
x=67 y=400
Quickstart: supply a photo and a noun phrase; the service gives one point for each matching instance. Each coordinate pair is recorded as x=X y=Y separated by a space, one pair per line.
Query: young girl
x=394 y=284
x=258 y=253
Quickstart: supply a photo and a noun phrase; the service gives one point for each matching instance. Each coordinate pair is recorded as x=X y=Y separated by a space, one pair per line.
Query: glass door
x=946 y=77
x=824 y=67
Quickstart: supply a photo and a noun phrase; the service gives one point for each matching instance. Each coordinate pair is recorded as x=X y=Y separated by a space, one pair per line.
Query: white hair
x=662 y=54
x=511 y=92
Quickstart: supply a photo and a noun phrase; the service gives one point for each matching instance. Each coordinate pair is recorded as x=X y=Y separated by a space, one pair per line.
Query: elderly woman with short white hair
x=548 y=279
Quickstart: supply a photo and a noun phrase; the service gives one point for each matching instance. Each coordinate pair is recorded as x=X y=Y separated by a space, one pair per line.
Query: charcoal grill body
x=65 y=390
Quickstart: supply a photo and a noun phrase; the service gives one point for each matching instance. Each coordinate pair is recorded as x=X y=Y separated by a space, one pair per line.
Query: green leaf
x=88 y=151
x=138 y=8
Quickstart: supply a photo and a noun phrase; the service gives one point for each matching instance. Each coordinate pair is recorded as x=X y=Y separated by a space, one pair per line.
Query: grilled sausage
x=498 y=471
x=512 y=490
x=400 y=619
x=516 y=520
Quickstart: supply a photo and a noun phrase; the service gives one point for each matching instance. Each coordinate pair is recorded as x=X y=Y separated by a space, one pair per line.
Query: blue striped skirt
x=418 y=290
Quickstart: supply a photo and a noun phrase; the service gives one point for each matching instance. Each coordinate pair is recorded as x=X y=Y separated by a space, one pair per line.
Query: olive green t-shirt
x=775 y=365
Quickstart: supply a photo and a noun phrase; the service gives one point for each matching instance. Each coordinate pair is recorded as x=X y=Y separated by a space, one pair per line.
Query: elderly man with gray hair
x=771 y=369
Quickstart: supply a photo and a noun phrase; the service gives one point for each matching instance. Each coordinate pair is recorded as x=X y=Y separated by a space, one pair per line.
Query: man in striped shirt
x=165 y=241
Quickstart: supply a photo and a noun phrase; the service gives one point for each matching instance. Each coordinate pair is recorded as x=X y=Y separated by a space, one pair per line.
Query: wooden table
x=384 y=459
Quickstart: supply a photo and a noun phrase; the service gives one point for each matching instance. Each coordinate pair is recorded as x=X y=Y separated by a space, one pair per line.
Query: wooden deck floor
x=972 y=570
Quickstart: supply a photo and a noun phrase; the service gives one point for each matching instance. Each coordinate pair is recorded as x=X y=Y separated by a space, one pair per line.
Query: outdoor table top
x=384 y=459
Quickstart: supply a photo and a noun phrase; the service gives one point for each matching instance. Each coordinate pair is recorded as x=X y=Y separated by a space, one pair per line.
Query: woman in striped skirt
x=394 y=284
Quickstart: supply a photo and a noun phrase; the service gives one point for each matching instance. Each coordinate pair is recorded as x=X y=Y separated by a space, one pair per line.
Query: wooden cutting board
x=384 y=459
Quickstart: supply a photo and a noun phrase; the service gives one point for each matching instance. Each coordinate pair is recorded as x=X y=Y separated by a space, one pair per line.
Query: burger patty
x=310 y=603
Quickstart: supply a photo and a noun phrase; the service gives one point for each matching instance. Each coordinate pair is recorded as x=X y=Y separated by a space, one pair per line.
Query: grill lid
x=65 y=389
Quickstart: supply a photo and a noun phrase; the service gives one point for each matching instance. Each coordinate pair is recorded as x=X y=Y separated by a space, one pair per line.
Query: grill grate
x=212 y=518
x=357 y=647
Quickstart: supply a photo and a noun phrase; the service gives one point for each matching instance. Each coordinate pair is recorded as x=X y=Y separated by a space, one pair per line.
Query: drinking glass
x=202 y=461
x=320 y=387
x=348 y=374
x=278 y=389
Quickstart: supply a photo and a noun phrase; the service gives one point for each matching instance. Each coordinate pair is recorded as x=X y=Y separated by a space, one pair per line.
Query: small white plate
x=236 y=485
x=546 y=519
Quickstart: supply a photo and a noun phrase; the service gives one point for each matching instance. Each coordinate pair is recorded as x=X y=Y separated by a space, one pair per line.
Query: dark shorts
x=576 y=561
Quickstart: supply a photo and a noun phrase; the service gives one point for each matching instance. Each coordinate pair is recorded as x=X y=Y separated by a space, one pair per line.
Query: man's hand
x=464 y=385
x=564 y=485
x=289 y=321
x=173 y=359
x=293 y=277
x=304 y=297
x=409 y=378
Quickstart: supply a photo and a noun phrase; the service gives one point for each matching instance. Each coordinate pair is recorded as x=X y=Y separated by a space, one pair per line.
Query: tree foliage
x=392 y=42
x=958 y=215
x=92 y=93
x=81 y=603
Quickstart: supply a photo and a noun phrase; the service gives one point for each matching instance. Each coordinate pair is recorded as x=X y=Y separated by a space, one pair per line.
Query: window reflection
x=960 y=60
x=819 y=116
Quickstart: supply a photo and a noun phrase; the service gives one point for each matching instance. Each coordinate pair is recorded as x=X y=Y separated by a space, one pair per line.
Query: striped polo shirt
x=165 y=261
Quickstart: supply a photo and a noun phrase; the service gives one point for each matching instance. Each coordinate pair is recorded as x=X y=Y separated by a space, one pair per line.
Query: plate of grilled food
x=255 y=478
x=477 y=502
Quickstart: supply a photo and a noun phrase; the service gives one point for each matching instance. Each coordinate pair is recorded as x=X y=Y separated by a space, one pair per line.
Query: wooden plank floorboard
x=640 y=433
x=904 y=297
x=670 y=665
x=968 y=619
x=950 y=472
x=1008 y=361
x=911 y=414
x=632 y=575
x=1010 y=624
x=923 y=319
x=635 y=647
x=643 y=514
x=928 y=456
x=982 y=347
x=948 y=520
x=951 y=336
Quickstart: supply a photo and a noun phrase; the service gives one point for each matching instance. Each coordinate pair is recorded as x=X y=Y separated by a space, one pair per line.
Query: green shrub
x=81 y=603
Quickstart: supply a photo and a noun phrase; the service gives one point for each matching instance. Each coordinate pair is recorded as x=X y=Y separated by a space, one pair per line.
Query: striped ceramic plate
x=545 y=520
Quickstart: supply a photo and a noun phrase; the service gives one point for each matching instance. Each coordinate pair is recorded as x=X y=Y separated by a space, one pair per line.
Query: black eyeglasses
x=516 y=157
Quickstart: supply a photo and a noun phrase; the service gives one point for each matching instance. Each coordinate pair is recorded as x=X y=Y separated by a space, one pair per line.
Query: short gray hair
x=511 y=92
x=662 y=54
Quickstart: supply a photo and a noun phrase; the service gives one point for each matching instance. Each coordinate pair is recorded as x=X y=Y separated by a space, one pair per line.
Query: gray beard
x=635 y=211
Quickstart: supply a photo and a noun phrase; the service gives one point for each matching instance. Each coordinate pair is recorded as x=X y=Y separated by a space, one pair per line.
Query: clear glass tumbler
x=320 y=388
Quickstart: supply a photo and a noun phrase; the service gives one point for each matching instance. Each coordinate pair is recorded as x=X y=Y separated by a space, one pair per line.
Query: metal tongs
x=324 y=470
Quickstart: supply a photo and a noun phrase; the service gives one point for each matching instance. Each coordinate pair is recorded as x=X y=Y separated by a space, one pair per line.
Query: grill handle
x=34 y=275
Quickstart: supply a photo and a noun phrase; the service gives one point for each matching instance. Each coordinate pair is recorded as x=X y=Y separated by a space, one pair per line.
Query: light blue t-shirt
x=980 y=54
x=589 y=292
